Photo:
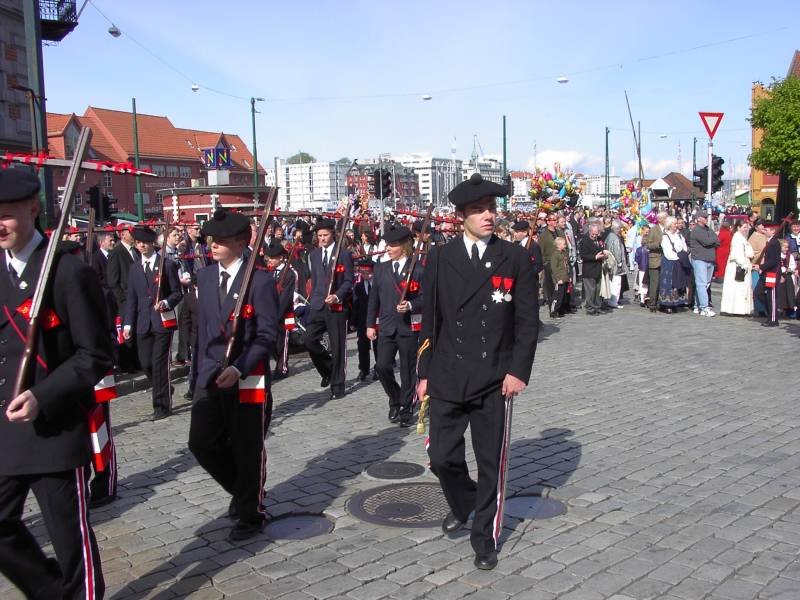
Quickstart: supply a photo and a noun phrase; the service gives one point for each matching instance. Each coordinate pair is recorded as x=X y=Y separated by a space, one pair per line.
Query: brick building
x=174 y=154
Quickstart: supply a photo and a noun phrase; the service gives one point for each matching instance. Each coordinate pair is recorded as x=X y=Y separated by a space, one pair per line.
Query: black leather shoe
x=157 y=416
x=406 y=421
x=452 y=524
x=374 y=375
x=277 y=375
x=188 y=395
x=337 y=394
x=362 y=375
x=98 y=501
x=233 y=512
x=394 y=414
x=244 y=530
x=486 y=562
x=326 y=381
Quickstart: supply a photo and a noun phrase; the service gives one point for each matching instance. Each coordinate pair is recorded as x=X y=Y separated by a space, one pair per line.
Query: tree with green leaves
x=301 y=158
x=777 y=114
x=344 y=161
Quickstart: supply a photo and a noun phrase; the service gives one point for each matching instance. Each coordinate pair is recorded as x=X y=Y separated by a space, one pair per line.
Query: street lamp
x=255 y=150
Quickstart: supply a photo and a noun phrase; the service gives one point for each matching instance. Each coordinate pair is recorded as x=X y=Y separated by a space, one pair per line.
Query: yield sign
x=711 y=121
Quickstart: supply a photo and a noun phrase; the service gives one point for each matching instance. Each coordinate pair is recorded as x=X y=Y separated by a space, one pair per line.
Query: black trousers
x=547 y=285
x=654 y=277
x=591 y=293
x=154 y=350
x=281 y=351
x=62 y=498
x=187 y=329
x=227 y=438
x=561 y=300
x=448 y=422
x=328 y=364
x=400 y=396
x=104 y=482
x=365 y=346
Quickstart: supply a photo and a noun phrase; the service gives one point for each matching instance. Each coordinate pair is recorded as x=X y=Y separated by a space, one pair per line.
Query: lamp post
x=138 y=193
x=255 y=151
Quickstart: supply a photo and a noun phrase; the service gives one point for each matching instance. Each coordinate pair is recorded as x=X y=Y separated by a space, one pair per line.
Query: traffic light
x=386 y=178
x=716 y=173
x=94 y=198
x=109 y=207
x=701 y=179
x=376 y=182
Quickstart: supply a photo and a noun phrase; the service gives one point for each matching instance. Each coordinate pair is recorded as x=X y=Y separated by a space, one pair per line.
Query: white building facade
x=437 y=176
x=489 y=168
x=310 y=186
x=595 y=185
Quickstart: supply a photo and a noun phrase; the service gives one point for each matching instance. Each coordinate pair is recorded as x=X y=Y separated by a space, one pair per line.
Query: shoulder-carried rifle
x=90 y=238
x=247 y=279
x=338 y=250
x=162 y=255
x=426 y=223
x=47 y=272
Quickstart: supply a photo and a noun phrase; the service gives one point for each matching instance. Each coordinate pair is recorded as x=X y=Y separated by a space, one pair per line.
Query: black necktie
x=475 y=258
x=397 y=270
x=148 y=272
x=325 y=259
x=12 y=273
x=223 y=287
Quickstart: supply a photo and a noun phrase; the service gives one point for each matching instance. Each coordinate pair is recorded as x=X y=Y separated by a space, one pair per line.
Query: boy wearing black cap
x=366 y=347
x=45 y=445
x=154 y=322
x=329 y=307
x=286 y=281
x=396 y=324
x=227 y=430
x=479 y=330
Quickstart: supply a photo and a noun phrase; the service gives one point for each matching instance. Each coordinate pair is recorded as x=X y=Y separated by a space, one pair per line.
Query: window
x=186 y=172
x=78 y=199
x=145 y=198
x=159 y=199
x=158 y=170
x=172 y=171
x=107 y=181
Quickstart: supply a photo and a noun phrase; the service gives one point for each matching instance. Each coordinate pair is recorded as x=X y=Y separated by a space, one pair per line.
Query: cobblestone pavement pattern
x=673 y=441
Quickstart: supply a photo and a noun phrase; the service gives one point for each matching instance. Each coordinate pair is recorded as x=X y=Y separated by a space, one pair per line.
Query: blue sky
x=346 y=78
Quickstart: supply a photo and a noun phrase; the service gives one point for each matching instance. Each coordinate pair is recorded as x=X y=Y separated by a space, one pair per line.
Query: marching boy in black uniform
x=44 y=438
x=153 y=327
x=479 y=331
x=396 y=325
x=276 y=257
x=366 y=348
x=227 y=429
x=329 y=311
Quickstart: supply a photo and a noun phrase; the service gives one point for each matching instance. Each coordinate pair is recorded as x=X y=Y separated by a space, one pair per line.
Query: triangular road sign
x=711 y=121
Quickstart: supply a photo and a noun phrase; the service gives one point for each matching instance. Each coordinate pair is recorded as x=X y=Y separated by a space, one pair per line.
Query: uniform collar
x=233 y=269
x=20 y=260
x=481 y=242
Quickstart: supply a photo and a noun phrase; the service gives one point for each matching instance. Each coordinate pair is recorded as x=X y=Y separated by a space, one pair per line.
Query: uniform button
x=2 y=360
x=2 y=380
x=3 y=340
x=483 y=339
x=459 y=323
x=461 y=309
x=483 y=323
x=458 y=356
x=458 y=341
x=483 y=354
x=484 y=307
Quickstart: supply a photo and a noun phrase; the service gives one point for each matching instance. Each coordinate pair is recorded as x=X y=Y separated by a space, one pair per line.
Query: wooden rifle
x=90 y=238
x=338 y=250
x=162 y=255
x=426 y=223
x=281 y=283
x=247 y=279
x=47 y=272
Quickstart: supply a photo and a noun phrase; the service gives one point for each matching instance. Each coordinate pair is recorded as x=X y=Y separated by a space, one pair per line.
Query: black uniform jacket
x=257 y=331
x=588 y=249
x=384 y=294
x=342 y=283
x=75 y=347
x=285 y=291
x=119 y=265
x=139 y=311
x=358 y=318
x=471 y=338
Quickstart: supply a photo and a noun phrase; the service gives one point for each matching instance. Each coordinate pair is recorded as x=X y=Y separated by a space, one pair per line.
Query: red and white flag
x=253 y=388
x=101 y=443
x=106 y=388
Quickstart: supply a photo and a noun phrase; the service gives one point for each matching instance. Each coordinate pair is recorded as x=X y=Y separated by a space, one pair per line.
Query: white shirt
x=104 y=251
x=129 y=249
x=482 y=243
x=671 y=244
x=232 y=270
x=401 y=262
x=329 y=251
x=19 y=261
x=151 y=262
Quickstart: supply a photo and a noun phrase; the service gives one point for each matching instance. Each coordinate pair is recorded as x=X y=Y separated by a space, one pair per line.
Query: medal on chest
x=502 y=289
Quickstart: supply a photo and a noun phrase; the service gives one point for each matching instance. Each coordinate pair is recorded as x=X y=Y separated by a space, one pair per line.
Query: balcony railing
x=58 y=18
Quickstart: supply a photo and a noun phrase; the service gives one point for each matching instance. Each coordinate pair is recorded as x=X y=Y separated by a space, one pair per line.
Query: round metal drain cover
x=420 y=504
x=394 y=470
x=298 y=527
x=533 y=507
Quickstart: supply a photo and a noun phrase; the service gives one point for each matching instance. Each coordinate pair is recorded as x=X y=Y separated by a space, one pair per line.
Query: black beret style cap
x=473 y=189
x=226 y=224
x=274 y=248
x=365 y=263
x=142 y=233
x=302 y=225
x=396 y=233
x=325 y=223
x=17 y=184
x=521 y=226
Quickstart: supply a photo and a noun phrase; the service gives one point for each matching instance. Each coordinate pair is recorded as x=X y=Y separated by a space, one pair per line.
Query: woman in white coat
x=737 y=296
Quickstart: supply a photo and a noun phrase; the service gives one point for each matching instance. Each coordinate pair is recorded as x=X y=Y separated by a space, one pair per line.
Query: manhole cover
x=298 y=527
x=533 y=507
x=394 y=470
x=419 y=504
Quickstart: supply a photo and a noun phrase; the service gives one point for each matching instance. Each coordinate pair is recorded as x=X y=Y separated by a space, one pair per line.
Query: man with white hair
x=592 y=252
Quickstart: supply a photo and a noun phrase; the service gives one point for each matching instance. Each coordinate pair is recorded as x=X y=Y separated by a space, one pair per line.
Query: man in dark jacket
x=592 y=253
x=479 y=332
x=150 y=316
x=366 y=348
x=770 y=275
x=120 y=259
x=45 y=445
x=703 y=244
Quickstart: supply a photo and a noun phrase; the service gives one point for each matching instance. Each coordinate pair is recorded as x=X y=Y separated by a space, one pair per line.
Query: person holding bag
x=737 y=291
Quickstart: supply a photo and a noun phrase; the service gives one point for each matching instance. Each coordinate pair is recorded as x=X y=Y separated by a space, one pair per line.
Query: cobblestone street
x=672 y=440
